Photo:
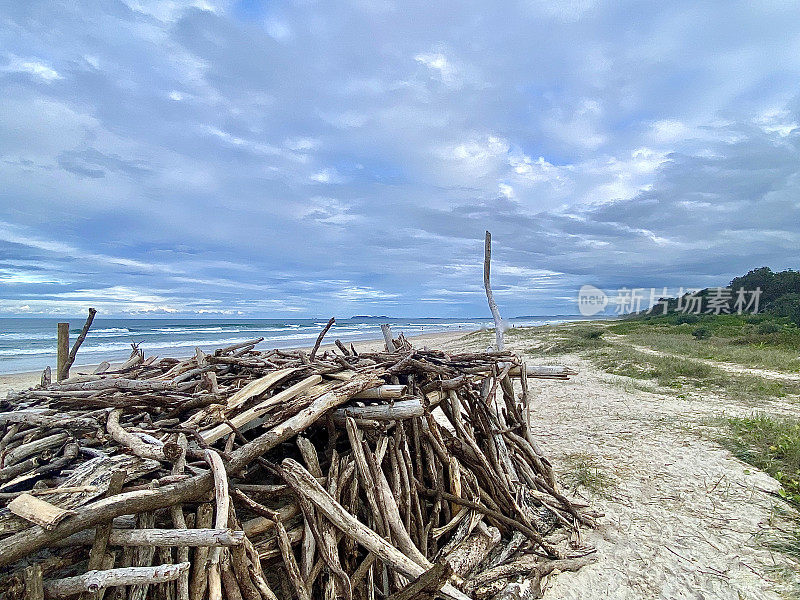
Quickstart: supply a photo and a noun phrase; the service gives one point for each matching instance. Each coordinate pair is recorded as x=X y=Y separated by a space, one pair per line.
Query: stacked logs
x=259 y=475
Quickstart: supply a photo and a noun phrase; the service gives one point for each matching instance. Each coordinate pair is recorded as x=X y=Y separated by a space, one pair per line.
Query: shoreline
x=28 y=379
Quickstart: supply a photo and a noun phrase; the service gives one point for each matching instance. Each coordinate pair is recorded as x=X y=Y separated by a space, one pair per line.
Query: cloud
x=234 y=158
x=32 y=67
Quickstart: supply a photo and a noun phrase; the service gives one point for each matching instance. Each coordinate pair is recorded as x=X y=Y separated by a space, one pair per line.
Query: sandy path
x=725 y=366
x=683 y=516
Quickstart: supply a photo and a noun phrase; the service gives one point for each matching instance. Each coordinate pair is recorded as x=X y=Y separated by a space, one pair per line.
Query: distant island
x=384 y=317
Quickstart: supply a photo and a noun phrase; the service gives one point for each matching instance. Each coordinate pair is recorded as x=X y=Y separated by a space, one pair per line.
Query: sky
x=304 y=159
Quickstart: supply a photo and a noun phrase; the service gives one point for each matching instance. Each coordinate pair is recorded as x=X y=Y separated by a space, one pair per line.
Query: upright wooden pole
x=62 y=370
x=487 y=262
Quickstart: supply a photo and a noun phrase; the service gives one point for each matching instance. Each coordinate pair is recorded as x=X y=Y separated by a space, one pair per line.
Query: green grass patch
x=583 y=470
x=771 y=444
x=749 y=340
x=683 y=373
x=553 y=340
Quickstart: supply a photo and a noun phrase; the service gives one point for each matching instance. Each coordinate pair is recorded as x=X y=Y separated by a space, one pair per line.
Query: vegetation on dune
x=761 y=340
x=770 y=443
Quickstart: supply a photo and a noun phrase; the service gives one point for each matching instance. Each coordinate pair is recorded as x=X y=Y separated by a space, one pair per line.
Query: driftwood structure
x=244 y=474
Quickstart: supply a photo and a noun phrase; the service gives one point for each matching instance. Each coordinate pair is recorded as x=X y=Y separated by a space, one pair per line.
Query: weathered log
x=94 y=581
x=163 y=537
x=426 y=585
x=487 y=262
x=387 y=338
x=115 y=383
x=34 y=585
x=384 y=392
x=258 y=387
x=245 y=417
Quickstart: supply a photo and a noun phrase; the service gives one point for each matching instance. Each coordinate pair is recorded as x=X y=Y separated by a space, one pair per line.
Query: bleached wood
x=94 y=581
x=73 y=353
x=387 y=338
x=38 y=511
x=383 y=392
x=62 y=351
x=135 y=443
x=258 y=387
x=164 y=537
x=116 y=383
x=212 y=435
x=498 y=322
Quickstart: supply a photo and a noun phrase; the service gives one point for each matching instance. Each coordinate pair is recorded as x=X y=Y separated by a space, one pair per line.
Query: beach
x=683 y=517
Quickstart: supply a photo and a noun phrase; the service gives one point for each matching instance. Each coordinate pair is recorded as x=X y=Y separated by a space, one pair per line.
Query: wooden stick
x=319 y=338
x=303 y=482
x=209 y=537
x=82 y=336
x=256 y=411
x=427 y=584
x=102 y=532
x=179 y=520
x=222 y=499
x=94 y=581
x=290 y=562
x=533 y=535
x=138 y=446
x=387 y=338
x=62 y=348
x=199 y=576
x=498 y=322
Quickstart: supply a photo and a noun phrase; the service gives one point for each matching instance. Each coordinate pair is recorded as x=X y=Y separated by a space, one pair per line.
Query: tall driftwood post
x=498 y=323
x=62 y=371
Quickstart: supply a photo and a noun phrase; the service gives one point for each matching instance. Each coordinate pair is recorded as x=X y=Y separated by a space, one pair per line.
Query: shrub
x=592 y=334
x=701 y=333
x=686 y=318
x=766 y=327
x=787 y=306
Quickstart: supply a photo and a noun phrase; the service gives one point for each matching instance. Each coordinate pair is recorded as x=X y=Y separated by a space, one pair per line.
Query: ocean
x=30 y=344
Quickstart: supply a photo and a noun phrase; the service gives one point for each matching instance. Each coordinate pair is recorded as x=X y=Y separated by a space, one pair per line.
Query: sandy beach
x=22 y=381
x=683 y=518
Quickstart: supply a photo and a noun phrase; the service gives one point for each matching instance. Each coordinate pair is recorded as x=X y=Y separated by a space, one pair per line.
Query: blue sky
x=214 y=158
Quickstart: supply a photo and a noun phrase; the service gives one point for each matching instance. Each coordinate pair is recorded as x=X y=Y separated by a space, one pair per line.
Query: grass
x=554 y=340
x=750 y=340
x=683 y=373
x=771 y=444
x=583 y=471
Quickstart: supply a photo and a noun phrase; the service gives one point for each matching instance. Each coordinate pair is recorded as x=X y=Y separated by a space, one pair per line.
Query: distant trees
x=780 y=292
x=779 y=297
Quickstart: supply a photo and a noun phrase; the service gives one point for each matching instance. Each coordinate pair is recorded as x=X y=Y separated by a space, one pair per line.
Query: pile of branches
x=255 y=475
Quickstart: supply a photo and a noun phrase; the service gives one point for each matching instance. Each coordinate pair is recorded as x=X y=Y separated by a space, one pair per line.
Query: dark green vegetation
x=779 y=296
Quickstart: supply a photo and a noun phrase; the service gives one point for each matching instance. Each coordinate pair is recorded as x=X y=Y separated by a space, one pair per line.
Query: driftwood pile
x=256 y=475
